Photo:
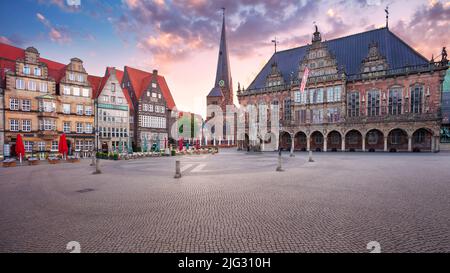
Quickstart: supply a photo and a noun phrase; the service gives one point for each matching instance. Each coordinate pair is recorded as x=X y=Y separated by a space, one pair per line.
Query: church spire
x=223 y=73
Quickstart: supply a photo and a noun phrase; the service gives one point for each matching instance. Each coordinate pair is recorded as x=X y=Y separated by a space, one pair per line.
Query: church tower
x=222 y=92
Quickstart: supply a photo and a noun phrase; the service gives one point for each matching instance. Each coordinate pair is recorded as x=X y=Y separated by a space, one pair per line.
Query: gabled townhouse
x=112 y=111
x=152 y=105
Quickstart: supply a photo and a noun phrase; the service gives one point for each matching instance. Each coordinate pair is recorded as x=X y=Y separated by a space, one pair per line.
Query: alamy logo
x=73 y=3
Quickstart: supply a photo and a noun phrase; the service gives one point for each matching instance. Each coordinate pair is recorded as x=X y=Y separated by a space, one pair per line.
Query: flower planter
x=73 y=160
x=53 y=160
x=9 y=163
x=33 y=162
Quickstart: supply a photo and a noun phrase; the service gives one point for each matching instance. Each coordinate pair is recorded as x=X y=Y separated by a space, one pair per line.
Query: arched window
x=416 y=98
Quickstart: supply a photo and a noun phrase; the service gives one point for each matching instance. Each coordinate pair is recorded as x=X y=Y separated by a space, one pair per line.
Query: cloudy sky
x=180 y=38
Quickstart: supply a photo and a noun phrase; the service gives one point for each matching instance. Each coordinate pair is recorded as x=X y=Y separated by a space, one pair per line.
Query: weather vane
x=275 y=42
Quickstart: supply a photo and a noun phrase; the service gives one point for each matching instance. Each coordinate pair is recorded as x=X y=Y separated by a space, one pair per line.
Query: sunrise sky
x=180 y=38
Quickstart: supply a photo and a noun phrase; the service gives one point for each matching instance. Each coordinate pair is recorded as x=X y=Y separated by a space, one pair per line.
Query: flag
x=304 y=79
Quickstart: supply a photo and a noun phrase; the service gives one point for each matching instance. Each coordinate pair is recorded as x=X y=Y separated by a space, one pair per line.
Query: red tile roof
x=140 y=80
x=55 y=70
x=95 y=82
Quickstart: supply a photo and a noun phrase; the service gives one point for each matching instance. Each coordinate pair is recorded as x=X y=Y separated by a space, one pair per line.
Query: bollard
x=93 y=161
x=279 y=168
x=310 y=156
x=177 y=169
x=97 y=167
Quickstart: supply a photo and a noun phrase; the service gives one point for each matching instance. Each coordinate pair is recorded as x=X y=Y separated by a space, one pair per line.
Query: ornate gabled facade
x=365 y=92
x=77 y=109
x=152 y=103
x=112 y=112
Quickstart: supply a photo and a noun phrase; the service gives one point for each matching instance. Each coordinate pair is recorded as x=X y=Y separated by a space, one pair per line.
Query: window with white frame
x=37 y=71
x=153 y=95
x=43 y=87
x=32 y=85
x=47 y=125
x=28 y=146
x=120 y=100
x=41 y=146
x=80 y=78
x=14 y=125
x=85 y=92
x=66 y=108
x=89 y=145
x=66 y=90
x=71 y=76
x=13 y=104
x=105 y=98
x=26 y=105
x=66 y=127
x=26 y=70
x=76 y=91
x=88 y=128
x=88 y=110
x=79 y=109
x=47 y=106
x=54 y=145
x=113 y=99
x=79 y=127
x=26 y=125
x=113 y=87
x=78 y=145
x=20 y=84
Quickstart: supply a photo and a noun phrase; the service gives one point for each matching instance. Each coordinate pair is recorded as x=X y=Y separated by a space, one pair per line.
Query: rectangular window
x=66 y=108
x=47 y=106
x=32 y=85
x=47 y=125
x=150 y=107
x=41 y=146
x=78 y=145
x=13 y=104
x=333 y=115
x=14 y=125
x=88 y=110
x=43 y=87
x=113 y=99
x=20 y=84
x=26 y=105
x=373 y=103
x=76 y=91
x=26 y=125
x=416 y=99
x=88 y=128
x=395 y=101
x=66 y=127
x=80 y=78
x=79 y=109
x=153 y=94
x=301 y=116
x=85 y=92
x=37 y=71
x=28 y=146
x=66 y=90
x=113 y=87
x=119 y=100
x=287 y=109
x=89 y=145
x=79 y=127
x=26 y=70
x=54 y=145
x=105 y=98
x=353 y=104
x=71 y=76
x=317 y=116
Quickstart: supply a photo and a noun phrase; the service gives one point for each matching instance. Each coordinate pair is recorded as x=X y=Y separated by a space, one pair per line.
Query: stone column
x=385 y=143
x=409 y=143
x=364 y=143
x=325 y=143
x=292 y=146
x=343 y=144
x=438 y=142
x=308 y=143
x=433 y=144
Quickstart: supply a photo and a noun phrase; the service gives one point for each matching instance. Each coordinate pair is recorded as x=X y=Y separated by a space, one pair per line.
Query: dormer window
x=26 y=70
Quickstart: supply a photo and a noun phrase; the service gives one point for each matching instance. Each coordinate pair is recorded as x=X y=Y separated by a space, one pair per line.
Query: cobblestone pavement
x=231 y=202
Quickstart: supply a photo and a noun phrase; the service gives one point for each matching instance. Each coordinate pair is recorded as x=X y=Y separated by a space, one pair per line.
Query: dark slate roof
x=215 y=92
x=223 y=65
x=349 y=52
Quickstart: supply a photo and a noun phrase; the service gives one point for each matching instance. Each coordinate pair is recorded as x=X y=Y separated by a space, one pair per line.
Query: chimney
x=155 y=72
